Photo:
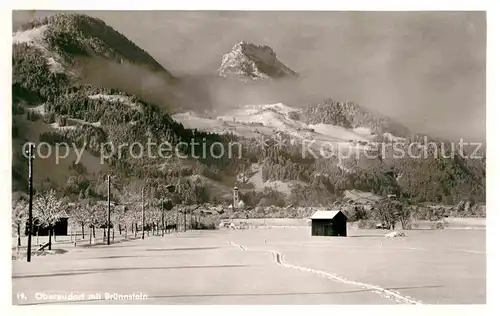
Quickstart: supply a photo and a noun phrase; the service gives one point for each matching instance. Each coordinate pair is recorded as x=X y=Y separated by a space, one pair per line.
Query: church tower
x=236 y=198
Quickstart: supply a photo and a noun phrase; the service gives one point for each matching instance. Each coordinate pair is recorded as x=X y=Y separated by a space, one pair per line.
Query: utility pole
x=143 y=214
x=30 y=207
x=109 y=205
x=191 y=221
x=176 y=220
x=162 y=217
x=167 y=227
x=184 y=219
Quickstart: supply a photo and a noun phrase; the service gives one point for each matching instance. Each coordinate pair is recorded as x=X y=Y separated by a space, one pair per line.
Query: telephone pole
x=109 y=205
x=30 y=207
x=184 y=211
x=176 y=220
x=143 y=214
x=191 y=220
x=163 y=217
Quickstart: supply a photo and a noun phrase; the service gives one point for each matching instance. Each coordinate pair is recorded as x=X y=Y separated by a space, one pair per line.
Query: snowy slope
x=65 y=37
x=123 y=99
x=361 y=197
x=267 y=120
x=35 y=37
x=390 y=137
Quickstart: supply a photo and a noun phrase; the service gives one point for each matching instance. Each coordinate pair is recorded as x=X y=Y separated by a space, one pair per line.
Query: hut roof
x=326 y=214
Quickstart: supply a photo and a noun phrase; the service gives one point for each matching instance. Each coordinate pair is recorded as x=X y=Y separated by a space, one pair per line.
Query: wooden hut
x=60 y=228
x=329 y=223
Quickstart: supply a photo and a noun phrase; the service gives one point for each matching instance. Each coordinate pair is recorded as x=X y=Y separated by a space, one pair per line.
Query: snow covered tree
x=96 y=217
x=48 y=209
x=135 y=216
x=78 y=215
x=154 y=217
x=123 y=216
x=19 y=216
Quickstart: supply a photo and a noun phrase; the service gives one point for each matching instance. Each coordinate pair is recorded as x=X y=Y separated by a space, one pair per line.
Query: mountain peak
x=65 y=37
x=247 y=60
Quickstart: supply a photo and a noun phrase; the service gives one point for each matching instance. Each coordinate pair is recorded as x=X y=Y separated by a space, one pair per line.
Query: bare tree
x=48 y=210
x=386 y=211
x=390 y=211
x=403 y=213
x=19 y=216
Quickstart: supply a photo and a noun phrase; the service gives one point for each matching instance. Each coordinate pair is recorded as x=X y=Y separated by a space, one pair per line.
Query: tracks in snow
x=239 y=246
x=389 y=294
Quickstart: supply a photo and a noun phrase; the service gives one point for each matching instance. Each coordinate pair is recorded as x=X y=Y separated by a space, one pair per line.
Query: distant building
x=329 y=223
x=236 y=198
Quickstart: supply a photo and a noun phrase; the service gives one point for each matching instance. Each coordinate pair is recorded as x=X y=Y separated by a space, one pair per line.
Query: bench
x=42 y=247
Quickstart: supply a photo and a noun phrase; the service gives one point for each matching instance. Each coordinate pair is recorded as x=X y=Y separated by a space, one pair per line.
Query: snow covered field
x=432 y=266
x=267 y=266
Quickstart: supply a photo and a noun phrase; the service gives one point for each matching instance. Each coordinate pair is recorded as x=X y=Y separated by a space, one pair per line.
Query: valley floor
x=264 y=266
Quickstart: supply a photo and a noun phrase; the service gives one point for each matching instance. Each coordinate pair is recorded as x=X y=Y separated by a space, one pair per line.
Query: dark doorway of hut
x=328 y=230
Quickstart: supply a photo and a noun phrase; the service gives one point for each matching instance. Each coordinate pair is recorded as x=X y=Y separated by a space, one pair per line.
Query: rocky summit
x=248 y=61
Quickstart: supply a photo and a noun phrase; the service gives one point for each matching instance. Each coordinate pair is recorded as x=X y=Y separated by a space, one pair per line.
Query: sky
x=425 y=69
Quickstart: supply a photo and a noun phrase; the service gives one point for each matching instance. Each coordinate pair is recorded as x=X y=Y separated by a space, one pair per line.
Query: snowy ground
x=267 y=266
x=430 y=266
